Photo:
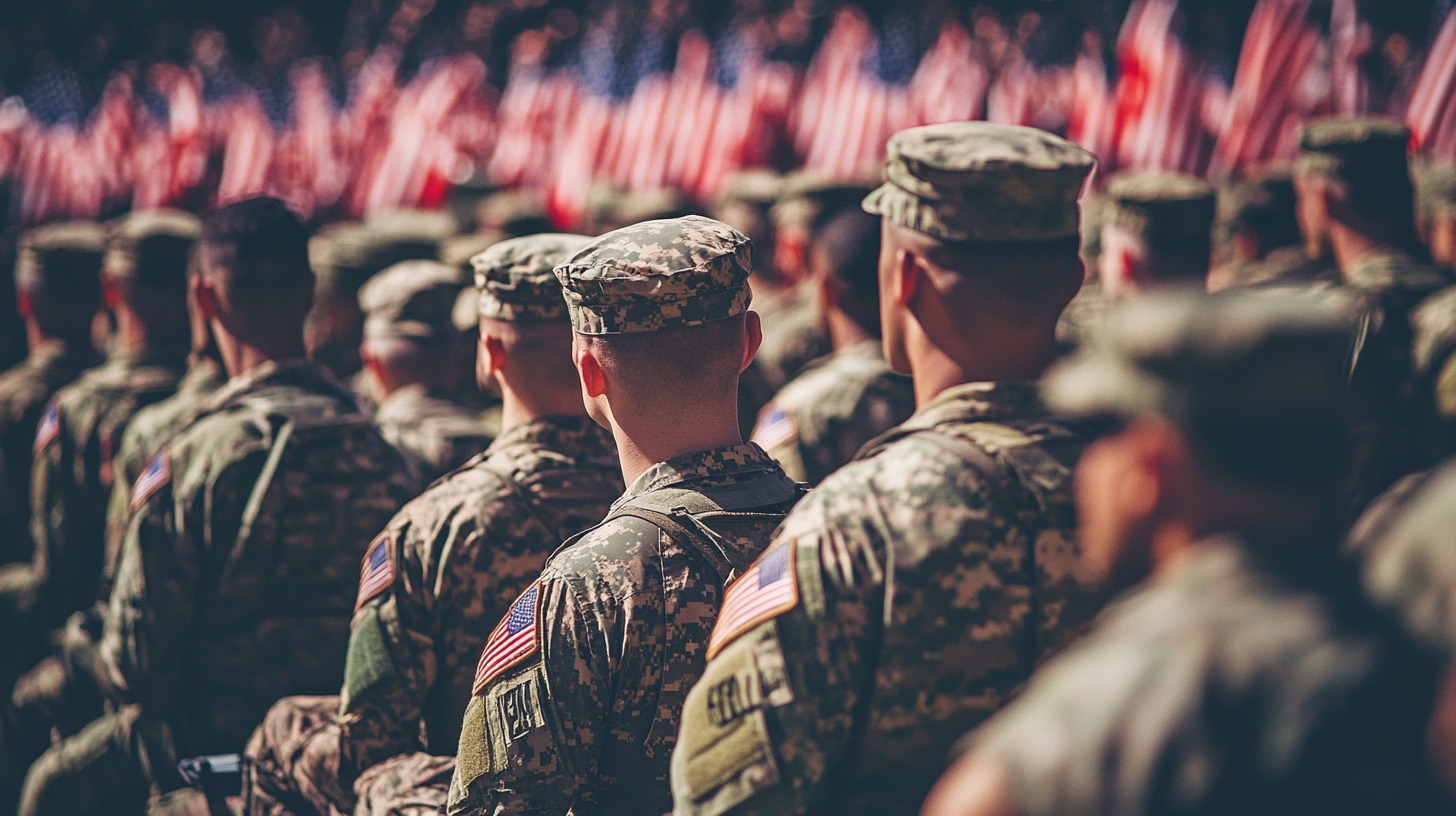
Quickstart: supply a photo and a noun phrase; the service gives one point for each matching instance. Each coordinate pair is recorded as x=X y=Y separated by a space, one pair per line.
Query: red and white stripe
x=1432 y=110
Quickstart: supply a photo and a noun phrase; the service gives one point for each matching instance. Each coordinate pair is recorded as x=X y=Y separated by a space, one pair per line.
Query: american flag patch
x=157 y=473
x=49 y=429
x=774 y=429
x=513 y=640
x=767 y=589
x=375 y=573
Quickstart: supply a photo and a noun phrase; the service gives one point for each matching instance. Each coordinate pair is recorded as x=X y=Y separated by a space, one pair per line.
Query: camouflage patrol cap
x=152 y=247
x=647 y=205
x=658 y=275
x=1168 y=211
x=59 y=253
x=1437 y=188
x=756 y=186
x=509 y=212
x=346 y=255
x=1224 y=363
x=515 y=278
x=436 y=225
x=1343 y=146
x=808 y=195
x=978 y=181
x=459 y=250
x=412 y=299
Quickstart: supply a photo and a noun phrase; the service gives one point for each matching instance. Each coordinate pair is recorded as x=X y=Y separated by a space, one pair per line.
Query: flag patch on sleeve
x=766 y=590
x=49 y=428
x=774 y=429
x=375 y=573
x=513 y=640
x=154 y=477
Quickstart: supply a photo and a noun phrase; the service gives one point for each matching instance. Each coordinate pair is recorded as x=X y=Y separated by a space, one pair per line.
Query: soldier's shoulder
x=607 y=561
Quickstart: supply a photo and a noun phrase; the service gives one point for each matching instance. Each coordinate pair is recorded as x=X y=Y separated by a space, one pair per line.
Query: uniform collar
x=983 y=401
x=711 y=466
x=279 y=372
x=557 y=433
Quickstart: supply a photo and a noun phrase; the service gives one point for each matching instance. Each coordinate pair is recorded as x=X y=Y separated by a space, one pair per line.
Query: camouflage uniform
x=235 y=583
x=456 y=557
x=1235 y=679
x=59 y=253
x=1265 y=203
x=1434 y=357
x=821 y=419
x=1157 y=228
x=918 y=587
x=1388 y=285
x=415 y=300
x=579 y=689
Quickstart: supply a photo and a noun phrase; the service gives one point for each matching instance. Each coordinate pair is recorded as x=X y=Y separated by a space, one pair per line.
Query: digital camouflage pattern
x=515 y=278
x=237 y=574
x=1401 y=542
x=435 y=434
x=405 y=785
x=75 y=473
x=25 y=390
x=1166 y=706
x=821 y=419
x=586 y=723
x=933 y=574
x=461 y=553
x=978 y=181
x=1166 y=210
x=670 y=273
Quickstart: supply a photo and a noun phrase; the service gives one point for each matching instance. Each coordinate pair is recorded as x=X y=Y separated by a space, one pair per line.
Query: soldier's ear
x=205 y=295
x=24 y=306
x=906 y=280
x=492 y=356
x=752 y=338
x=589 y=370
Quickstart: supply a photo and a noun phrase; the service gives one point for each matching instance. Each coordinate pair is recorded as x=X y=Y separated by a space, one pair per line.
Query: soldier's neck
x=935 y=370
x=639 y=448
x=521 y=407
x=844 y=332
x=1352 y=247
x=134 y=336
x=239 y=356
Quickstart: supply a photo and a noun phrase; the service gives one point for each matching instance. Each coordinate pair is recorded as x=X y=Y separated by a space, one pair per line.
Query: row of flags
x=691 y=124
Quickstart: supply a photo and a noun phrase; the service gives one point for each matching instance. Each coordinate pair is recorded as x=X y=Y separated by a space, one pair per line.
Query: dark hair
x=1267 y=210
x=261 y=243
x=850 y=244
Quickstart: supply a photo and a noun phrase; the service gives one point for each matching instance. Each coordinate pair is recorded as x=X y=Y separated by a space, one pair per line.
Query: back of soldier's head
x=1262 y=208
x=57 y=274
x=1365 y=165
x=520 y=305
x=1157 y=228
x=847 y=251
x=409 y=326
x=256 y=251
x=148 y=258
x=663 y=303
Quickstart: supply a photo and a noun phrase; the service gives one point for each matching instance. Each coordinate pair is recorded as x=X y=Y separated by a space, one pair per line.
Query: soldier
x=450 y=563
x=57 y=280
x=409 y=352
x=1240 y=674
x=915 y=590
x=821 y=419
x=144 y=280
x=236 y=577
x=1355 y=204
x=345 y=256
x=1258 y=223
x=579 y=688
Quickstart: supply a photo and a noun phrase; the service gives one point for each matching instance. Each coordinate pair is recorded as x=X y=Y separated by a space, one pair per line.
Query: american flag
x=1280 y=81
x=513 y=640
x=1432 y=111
x=1161 y=93
x=1352 y=41
x=375 y=573
x=50 y=428
x=765 y=590
x=154 y=476
x=774 y=428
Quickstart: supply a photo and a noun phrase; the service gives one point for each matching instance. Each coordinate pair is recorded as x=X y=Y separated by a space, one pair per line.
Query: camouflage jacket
x=1434 y=358
x=25 y=390
x=454 y=558
x=1285 y=266
x=1218 y=687
x=914 y=592
x=435 y=434
x=237 y=574
x=819 y=421
x=76 y=446
x=149 y=428
x=579 y=689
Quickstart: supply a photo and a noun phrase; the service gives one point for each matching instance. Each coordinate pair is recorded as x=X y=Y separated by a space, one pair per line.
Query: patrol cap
x=808 y=196
x=1437 y=189
x=60 y=253
x=346 y=255
x=1262 y=371
x=1167 y=211
x=657 y=275
x=979 y=181
x=511 y=213
x=1345 y=147
x=515 y=280
x=757 y=186
x=436 y=225
x=459 y=250
x=645 y=205
x=152 y=247
x=413 y=299
x=1264 y=202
